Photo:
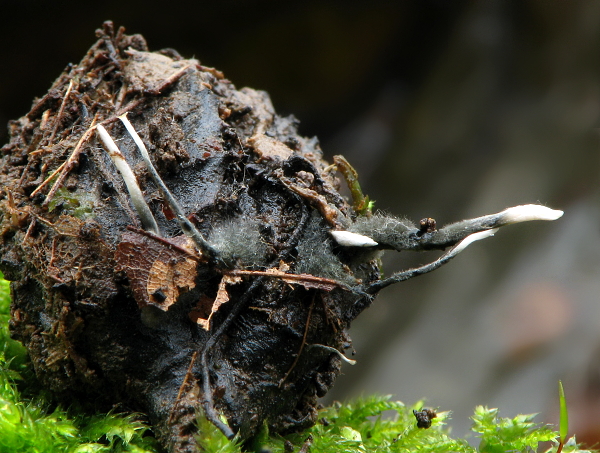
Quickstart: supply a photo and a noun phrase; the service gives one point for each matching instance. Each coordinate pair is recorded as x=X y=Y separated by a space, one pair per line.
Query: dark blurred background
x=447 y=110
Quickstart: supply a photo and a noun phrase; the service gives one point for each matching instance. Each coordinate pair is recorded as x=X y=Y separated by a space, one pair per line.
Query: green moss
x=374 y=424
x=78 y=204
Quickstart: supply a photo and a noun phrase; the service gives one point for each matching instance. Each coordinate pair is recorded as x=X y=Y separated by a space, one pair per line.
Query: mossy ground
x=31 y=422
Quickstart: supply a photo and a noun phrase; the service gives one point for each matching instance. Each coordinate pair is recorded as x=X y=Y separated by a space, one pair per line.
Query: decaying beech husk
x=88 y=292
x=111 y=311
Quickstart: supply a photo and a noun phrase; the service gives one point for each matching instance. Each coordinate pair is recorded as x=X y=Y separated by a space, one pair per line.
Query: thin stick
x=182 y=387
x=60 y=111
x=169 y=81
x=165 y=241
x=48 y=179
x=29 y=230
x=312 y=304
x=64 y=169
x=308 y=279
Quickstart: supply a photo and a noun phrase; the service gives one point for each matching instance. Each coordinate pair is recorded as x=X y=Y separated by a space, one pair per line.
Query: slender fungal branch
x=451 y=234
x=137 y=198
x=406 y=275
x=401 y=237
x=186 y=226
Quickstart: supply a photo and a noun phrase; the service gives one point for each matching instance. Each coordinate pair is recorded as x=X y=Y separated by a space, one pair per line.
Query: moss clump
x=78 y=204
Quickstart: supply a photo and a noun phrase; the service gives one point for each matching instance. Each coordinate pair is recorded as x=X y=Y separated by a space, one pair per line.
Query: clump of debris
x=174 y=245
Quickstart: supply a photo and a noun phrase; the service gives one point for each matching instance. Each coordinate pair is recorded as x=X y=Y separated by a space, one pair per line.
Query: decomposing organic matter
x=174 y=245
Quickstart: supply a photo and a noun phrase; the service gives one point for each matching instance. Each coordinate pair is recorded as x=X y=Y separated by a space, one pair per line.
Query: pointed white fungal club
x=186 y=225
x=348 y=239
x=527 y=212
x=472 y=238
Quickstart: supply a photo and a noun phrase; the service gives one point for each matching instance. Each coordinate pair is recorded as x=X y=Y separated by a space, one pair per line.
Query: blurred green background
x=447 y=110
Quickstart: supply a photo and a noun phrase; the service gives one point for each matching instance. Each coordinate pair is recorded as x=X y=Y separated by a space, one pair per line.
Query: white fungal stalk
x=137 y=198
x=186 y=226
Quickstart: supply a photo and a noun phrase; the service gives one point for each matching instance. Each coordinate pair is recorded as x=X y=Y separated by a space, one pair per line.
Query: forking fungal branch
x=390 y=233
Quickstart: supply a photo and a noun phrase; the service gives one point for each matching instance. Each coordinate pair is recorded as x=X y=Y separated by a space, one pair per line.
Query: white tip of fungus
x=348 y=239
x=335 y=351
x=528 y=212
x=472 y=238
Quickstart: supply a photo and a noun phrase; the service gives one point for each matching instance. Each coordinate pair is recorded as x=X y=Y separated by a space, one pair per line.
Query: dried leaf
x=327 y=210
x=158 y=272
x=222 y=297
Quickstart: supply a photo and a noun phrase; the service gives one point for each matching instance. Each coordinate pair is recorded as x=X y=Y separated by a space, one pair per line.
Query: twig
x=307 y=280
x=360 y=203
x=61 y=110
x=165 y=241
x=182 y=386
x=168 y=81
x=64 y=169
x=52 y=253
x=29 y=230
x=310 y=309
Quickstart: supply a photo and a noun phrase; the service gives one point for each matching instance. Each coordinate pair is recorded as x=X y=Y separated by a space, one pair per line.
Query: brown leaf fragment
x=158 y=273
x=221 y=298
x=270 y=148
